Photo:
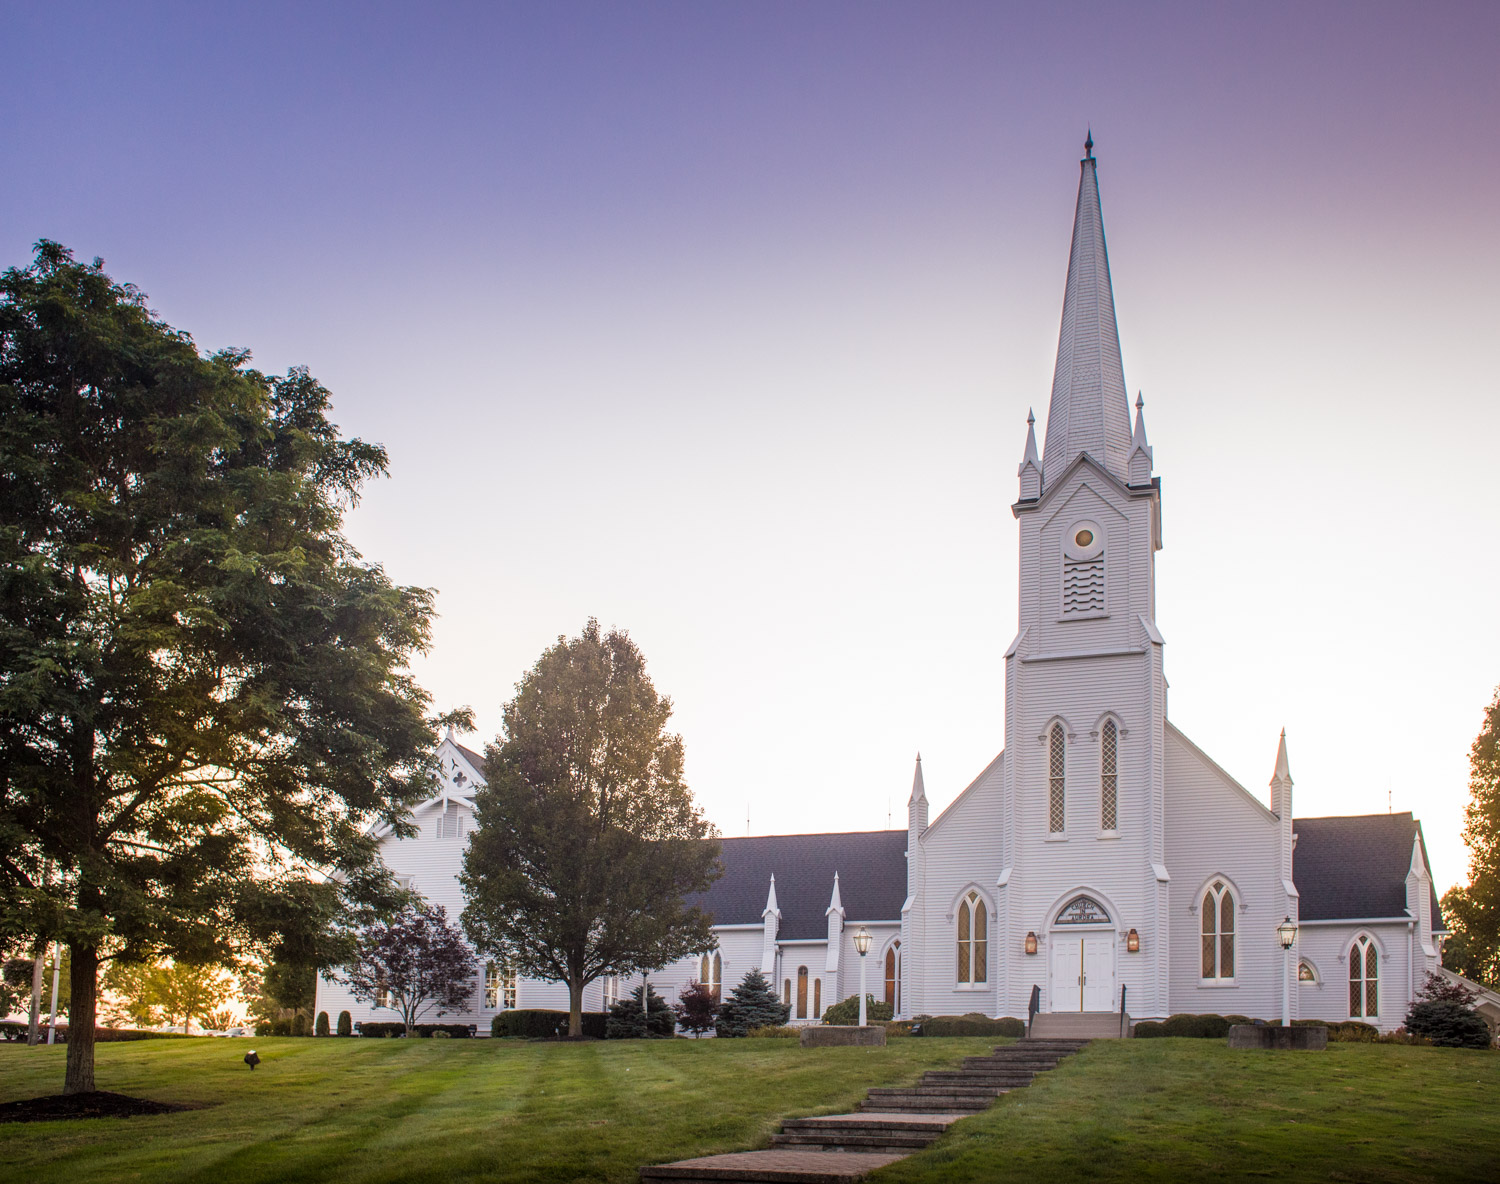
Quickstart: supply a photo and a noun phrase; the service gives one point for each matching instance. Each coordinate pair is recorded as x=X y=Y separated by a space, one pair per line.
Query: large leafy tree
x=587 y=837
x=1473 y=911
x=204 y=696
x=171 y=992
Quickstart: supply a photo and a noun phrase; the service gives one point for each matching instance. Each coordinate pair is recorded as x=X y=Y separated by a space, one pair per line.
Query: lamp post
x=862 y=944
x=1286 y=934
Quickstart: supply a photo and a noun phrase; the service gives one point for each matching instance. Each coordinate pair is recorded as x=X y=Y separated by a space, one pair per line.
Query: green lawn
x=363 y=1111
x=359 y=1111
x=1169 y=1110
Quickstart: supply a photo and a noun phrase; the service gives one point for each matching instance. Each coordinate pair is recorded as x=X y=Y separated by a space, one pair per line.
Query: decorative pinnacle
x=1088 y=146
x=1030 y=419
x=1139 y=401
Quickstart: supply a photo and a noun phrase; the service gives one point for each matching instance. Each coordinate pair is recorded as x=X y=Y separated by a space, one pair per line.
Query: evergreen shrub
x=322 y=1026
x=346 y=1024
x=628 y=1022
x=1203 y=1027
x=300 y=1026
x=752 y=1004
x=535 y=1023
x=847 y=1012
x=1448 y=1024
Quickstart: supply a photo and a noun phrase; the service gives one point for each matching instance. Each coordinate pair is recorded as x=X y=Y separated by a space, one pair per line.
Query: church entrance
x=1082 y=971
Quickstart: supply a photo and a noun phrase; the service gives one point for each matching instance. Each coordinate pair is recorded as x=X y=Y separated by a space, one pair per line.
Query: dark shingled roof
x=1355 y=866
x=474 y=758
x=871 y=867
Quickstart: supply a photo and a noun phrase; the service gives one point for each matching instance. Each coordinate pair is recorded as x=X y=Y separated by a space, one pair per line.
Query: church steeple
x=1089 y=411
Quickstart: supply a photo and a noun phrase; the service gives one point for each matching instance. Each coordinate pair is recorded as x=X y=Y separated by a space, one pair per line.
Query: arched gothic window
x=1218 y=932
x=817 y=999
x=1305 y=972
x=893 y=976
x=1364 y=979
x=1109 y=744
x=710 y=966
x=1056 y=790
x=802 y=992
x=973 y=940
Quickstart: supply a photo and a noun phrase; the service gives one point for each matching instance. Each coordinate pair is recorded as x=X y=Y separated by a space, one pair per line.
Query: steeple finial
x=918 y=789
x=1090 y=409
x=836 y=904
x=1030 y=471
x=771 y=905
x=1283 y=766
x=1088 y=145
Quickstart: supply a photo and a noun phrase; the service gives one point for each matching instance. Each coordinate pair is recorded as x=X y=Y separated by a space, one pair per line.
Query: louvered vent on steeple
x=1083 y=571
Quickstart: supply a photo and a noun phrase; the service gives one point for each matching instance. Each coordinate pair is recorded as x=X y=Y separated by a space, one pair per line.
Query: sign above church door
x=1083 y=910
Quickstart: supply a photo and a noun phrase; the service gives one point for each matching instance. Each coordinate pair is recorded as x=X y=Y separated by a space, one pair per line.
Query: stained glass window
x=1218 y=932
x=1364 y=979
x=1108 y=744
x=1057 y=798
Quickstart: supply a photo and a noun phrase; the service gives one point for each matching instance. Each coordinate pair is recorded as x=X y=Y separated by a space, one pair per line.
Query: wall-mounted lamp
x=1031 y=943
x=1133 y=942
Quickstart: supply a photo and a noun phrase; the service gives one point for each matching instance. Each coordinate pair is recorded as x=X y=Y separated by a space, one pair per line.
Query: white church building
x=1102 y=857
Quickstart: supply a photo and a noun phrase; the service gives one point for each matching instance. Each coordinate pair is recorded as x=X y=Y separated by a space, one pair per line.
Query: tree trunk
x=83 y=978
x=575 y=1005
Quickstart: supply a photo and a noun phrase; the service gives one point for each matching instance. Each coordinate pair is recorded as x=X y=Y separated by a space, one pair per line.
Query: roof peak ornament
x=1088 y=145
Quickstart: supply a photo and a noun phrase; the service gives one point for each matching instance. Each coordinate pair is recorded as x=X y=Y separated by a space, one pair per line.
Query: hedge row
x=877 y=1011
x=539 y=1024
x=378 y=1030
x=1216 y=1027
x=964 y=1025
x=14 y=1032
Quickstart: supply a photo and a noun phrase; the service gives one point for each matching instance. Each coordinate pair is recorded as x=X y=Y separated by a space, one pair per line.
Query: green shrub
x=1202 y=1027
x=273 y=1028
x=963 y=1025
x=346 y=1025
x=322 y=1026
x=373 y=1029
x=300 y=1026
x=897 y=1028
x=1448 y=1024
x=441 y=1035
x=772 y=1032
x=540 y=1024
x=847 y=1012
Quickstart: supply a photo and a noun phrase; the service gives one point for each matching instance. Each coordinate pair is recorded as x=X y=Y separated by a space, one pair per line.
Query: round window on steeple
x=1084 y=538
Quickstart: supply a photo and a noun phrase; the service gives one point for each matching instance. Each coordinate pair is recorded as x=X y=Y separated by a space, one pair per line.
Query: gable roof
x=474 y=758
x=1355 y=866
x=871 y=866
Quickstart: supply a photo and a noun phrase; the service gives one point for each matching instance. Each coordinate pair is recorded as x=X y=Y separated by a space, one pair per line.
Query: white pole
x=38 y=970
x=862 y=1021
x=1286 y=987
x=56 y=971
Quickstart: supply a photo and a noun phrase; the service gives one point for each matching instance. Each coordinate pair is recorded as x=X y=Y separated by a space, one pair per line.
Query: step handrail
x=1034 y=1006
x=1122 y=1011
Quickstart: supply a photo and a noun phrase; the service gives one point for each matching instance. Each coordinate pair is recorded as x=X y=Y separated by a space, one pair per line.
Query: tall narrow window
x=786 y=991
x=817 y=998
x=973 y=940
x=1218 y=932
x=1057 y=794
x=709 y=968
x=491 y=984
x=381 y=998
x=1108 y=780
x=802 y=992
x=1364 y=979
x=893 y=976
x=509 y=982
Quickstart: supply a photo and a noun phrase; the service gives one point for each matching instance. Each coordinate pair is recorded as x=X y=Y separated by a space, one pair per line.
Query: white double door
x=1083 y=972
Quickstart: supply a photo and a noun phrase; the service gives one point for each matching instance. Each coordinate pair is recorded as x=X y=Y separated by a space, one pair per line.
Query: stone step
x=895 y=1144
x=1004 y=1063
x=960 y=1089
x=930 y=1103
x=780 y=1165
x=1098 y=1025
x=872 y=1120
x=972 y=1077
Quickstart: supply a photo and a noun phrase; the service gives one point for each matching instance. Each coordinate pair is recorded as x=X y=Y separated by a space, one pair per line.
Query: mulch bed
x=99 y=1104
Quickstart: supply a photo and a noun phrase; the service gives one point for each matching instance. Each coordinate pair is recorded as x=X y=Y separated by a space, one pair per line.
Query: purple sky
x=721 y=322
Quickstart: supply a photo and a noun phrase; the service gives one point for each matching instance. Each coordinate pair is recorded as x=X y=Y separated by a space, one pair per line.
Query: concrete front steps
x=1079 y=1025
x=892 y=1122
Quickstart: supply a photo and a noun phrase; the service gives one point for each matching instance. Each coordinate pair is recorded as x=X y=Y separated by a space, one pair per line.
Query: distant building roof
x=871 y=866
x=1355 y=866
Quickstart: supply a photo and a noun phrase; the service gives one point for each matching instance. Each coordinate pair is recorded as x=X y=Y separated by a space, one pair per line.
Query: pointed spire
x=1030 y=471
x=771 y=907
x=1089 y=410
x=835 y=905
x=918 y=790
x=1283 y=768
x=1088 y=145
x=1140 y=451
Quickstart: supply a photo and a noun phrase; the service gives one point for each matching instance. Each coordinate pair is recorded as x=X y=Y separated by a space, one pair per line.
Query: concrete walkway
x=892 y=1123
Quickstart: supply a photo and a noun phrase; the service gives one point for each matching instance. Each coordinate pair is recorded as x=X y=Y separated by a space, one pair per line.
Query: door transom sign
x=1082 y=961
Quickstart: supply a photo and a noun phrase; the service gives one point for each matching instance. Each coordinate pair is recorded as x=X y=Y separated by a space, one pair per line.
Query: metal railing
x=1033 y=1007
x=1123 y=1022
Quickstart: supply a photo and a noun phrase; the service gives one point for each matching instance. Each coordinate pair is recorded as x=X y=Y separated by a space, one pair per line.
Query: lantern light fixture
x=862 y=941
x=1286 y=933
x=1031 y=942
x=1133 y=942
